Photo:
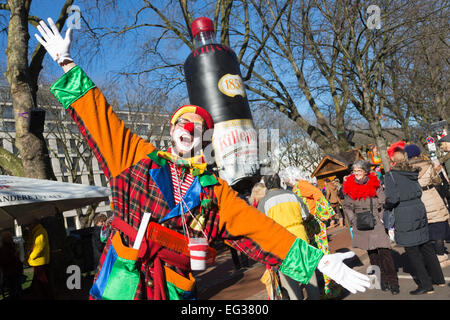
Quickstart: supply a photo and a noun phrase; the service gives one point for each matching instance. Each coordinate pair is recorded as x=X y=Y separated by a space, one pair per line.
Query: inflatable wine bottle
x=214 y=83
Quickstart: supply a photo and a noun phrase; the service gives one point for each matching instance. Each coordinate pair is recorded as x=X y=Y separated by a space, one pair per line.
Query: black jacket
x=97 y=244
x=403 y=194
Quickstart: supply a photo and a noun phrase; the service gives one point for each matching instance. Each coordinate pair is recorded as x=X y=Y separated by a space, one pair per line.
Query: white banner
x=22 y=199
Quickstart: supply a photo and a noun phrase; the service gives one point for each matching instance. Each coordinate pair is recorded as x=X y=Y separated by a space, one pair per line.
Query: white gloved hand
x=332 y=265
x=56 y=46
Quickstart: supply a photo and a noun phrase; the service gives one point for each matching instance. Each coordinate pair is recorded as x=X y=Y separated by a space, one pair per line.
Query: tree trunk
x=32 y=147
x=375 y=128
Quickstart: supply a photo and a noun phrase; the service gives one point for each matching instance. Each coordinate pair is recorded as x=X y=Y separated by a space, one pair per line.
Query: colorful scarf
x=197 y=165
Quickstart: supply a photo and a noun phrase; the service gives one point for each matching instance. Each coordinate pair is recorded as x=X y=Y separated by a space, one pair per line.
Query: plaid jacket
x=140 y=182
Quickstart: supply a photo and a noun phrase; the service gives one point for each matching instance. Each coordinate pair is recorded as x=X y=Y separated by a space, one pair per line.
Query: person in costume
x=316 y=229
x=180 y=194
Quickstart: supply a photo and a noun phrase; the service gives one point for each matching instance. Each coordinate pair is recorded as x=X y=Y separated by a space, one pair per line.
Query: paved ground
x=222 y=282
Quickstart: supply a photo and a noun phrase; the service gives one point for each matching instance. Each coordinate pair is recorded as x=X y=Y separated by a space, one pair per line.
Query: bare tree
x=317 y=62
x=22 y=76
x=365 y=49
x=418 y=75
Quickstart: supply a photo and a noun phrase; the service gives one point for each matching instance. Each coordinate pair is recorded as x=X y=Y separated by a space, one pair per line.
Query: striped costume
x=141 y=181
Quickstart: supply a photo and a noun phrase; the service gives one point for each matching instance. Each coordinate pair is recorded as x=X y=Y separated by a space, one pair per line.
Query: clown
x=180 y=194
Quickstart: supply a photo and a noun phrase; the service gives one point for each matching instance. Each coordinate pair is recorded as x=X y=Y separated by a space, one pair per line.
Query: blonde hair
x=258 y=192
x=399 y=156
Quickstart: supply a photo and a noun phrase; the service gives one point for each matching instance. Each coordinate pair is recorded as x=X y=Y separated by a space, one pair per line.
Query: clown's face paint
x=184 y=142
x=185 y=137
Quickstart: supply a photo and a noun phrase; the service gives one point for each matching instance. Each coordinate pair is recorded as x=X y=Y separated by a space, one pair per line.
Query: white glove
x=57 y=47
x=332 y=265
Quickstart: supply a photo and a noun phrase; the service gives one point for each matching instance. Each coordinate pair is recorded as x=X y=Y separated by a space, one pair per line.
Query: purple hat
x=412 y=150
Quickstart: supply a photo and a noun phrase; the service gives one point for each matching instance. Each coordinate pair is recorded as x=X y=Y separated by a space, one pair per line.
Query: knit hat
x=193 y=109
x=412 y=150
x=395 y=146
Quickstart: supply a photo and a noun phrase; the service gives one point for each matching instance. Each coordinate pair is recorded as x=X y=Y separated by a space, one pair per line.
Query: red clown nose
x=189 y=127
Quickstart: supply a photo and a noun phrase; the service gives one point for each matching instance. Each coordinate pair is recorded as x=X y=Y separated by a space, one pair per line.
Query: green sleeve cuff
x=301 y=261
x=71 y=86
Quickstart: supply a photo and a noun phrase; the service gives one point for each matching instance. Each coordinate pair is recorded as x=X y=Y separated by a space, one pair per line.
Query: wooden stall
x=334 y=166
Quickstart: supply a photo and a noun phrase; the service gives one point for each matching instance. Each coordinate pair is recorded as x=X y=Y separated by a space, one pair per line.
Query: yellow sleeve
x=38 y=246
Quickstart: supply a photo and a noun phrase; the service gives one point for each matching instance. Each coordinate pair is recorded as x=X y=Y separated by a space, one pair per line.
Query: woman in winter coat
x=363 y=194
x=403 y=195
x=437 y=212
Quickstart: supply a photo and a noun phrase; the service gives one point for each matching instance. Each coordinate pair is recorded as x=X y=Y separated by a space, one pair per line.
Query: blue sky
x=114 y=56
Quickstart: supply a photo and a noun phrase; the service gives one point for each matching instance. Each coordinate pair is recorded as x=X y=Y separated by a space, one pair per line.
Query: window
x=60 y=146
x=8 y=112
x=71 y=225
x=15 y=150
x=103 y=179
x=63 y=166
x=72 y=128
x=75 y=162
x=142 y=130
x=10 y=126
x=73 y=145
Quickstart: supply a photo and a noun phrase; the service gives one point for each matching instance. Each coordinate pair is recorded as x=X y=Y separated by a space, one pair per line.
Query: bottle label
x=235 y=146
x=231 y=85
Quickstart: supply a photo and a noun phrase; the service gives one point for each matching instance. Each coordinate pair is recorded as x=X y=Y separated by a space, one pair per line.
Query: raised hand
x=56 y=46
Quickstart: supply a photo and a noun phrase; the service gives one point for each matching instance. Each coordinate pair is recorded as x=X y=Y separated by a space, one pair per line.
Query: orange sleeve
x=119 y=147
x=241 y=219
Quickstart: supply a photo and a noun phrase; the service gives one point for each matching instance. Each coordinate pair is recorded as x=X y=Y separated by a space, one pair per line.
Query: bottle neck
x=203 y=38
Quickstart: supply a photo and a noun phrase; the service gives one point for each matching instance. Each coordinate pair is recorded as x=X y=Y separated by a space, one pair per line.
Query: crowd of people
x=407 y=205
